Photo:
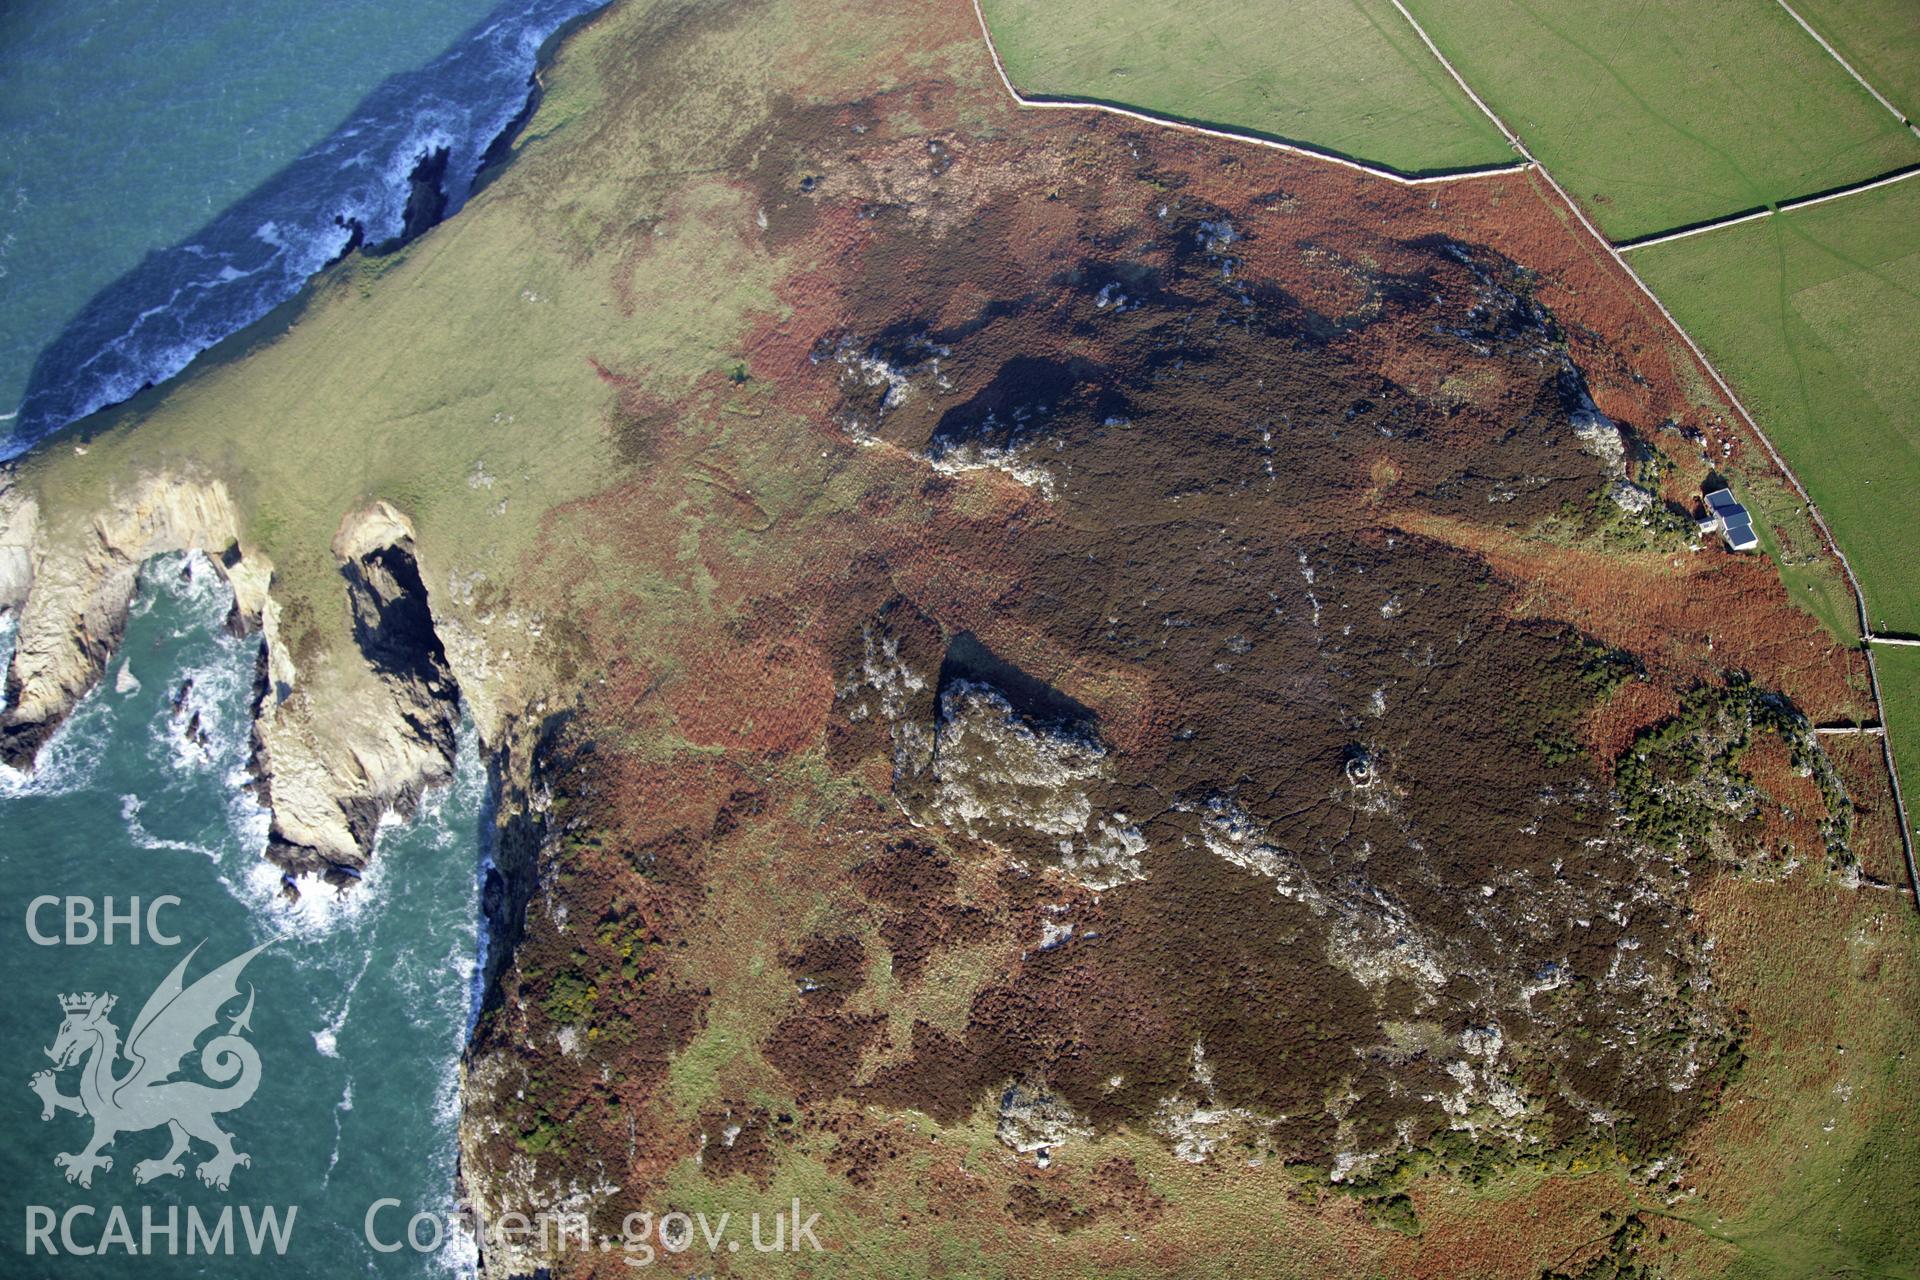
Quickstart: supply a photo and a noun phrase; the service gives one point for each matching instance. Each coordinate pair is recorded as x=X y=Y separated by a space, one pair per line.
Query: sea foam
x=257 y=254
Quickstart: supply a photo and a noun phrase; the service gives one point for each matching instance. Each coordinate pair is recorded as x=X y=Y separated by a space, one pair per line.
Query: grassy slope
x=1674 y=115
x=454 y=379
x=1881 y=38
x=1814 y=316
x=1812 y=576
x=1807 y=1171
x=1345 y=75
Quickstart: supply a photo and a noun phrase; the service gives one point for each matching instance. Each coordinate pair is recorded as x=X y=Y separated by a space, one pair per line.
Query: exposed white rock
x=1599 y=435
x=998 y=777
x=335 y=750
x=1230 y=833
x=1376 y=942
x=884 y=673
x=972 y=455
x=1032 y=1119
x=73 y=587
x=869 y=368
x=338 y=754
x=1054 y=932
x=1108 y=857
x=875 y=372
x=1197 y=1126
x=1630 y=497
x=1196 y=1129
x=1370 y=936
x=19 y=533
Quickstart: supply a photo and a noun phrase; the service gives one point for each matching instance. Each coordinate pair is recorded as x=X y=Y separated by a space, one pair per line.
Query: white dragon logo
x=146 y=1096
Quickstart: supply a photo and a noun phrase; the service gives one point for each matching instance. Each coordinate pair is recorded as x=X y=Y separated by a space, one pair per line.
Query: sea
x=171 y=172
x=168 y=174
x=358 y=1006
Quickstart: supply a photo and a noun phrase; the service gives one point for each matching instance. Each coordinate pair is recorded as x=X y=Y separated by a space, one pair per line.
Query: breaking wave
x=152 y=322
x=68 y=759
x=386 y=971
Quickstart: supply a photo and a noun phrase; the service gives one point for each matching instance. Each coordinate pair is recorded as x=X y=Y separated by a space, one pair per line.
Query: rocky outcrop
x=521 y=778
x=19 y=525
x=1027 y=786
x=426 y=206
x=984 y=748
x=346 y=747
x=336 y=747
x=524 y=847
x=73 y=587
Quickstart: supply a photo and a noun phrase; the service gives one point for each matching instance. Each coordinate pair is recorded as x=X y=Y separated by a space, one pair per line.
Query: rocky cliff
x=72 y=584
x=342 y=734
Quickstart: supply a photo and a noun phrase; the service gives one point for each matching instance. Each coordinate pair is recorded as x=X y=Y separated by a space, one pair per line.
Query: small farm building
x=1728 y=518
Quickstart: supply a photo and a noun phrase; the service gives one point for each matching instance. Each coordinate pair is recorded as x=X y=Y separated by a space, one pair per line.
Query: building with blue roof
x=1728 y=518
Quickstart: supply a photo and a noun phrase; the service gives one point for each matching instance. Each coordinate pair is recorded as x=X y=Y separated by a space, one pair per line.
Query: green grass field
x=1881 y=38
x=1815 y=315
x=1673 y=113
x=1813 y=578
x=1899 y=670
x=1348 y=76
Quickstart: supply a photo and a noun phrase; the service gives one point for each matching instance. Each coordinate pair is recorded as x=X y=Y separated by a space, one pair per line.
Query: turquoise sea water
x=360 y=1006
x=170 y=172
